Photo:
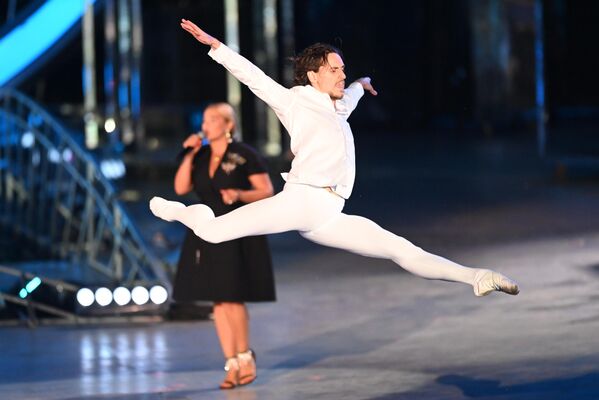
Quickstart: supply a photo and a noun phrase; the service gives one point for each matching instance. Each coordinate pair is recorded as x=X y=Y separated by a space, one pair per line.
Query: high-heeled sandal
x=247 y=359
x=232 y=368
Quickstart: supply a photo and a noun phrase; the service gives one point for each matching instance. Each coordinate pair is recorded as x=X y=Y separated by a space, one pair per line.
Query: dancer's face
x=330 y=77
x=215 y=125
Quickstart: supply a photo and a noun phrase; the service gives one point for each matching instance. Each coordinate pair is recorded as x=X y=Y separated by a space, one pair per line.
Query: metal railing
x=53 y=196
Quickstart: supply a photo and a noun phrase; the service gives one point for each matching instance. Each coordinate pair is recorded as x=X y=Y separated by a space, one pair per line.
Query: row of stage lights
x=122 y=296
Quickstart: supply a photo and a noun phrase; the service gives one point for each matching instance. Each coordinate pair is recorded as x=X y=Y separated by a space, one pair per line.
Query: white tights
x=316 y=214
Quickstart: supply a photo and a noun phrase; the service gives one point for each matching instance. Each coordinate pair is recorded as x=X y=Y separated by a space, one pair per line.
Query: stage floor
x=348 y=327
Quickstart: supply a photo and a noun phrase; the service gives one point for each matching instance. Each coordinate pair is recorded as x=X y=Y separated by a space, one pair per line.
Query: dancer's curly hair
x=311 y=59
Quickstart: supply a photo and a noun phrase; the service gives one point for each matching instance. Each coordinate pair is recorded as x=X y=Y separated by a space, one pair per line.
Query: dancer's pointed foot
x=165 y=209
x=487 y=281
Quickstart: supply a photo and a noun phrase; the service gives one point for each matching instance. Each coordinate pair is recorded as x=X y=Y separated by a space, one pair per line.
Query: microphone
x=188 y=149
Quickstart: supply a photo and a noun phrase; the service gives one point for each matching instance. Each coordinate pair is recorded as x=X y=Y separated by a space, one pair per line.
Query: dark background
x=418 y=52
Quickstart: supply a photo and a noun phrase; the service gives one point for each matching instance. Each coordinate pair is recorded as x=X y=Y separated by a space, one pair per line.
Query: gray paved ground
x=347 y=327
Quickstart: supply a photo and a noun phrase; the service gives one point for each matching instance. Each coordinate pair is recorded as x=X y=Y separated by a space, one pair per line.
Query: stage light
x=33 y=284
x=27 y=140
x=140 y=295
x=121 y=295
x=85 y=297
x=103 y=296
x=112 y=168
x=67 y=155
x=158 y=294
x=122 y=300
x=30 y=287
x=53 y=156
x=109 y=125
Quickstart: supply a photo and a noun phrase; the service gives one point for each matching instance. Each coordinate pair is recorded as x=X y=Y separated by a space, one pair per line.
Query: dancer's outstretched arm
x=199 y=34
x=272 y=93
x=367 y=85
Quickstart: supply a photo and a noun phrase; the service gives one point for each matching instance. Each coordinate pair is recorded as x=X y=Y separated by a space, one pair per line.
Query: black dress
x=239 y=270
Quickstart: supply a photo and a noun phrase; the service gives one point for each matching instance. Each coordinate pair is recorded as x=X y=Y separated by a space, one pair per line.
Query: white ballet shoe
x=487 y=281
x=164 y=209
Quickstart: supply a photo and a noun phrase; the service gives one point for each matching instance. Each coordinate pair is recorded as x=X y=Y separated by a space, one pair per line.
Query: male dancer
x=322 y=173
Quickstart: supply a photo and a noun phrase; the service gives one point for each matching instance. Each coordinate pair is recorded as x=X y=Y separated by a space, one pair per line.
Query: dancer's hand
x=199 y=34
x=365 y=82
x=230 y=196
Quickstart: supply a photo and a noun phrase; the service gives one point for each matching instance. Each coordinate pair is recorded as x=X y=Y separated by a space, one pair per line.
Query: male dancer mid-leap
x=315 y=113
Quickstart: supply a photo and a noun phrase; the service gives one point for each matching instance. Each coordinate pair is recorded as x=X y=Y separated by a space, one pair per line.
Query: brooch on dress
x=232 y=161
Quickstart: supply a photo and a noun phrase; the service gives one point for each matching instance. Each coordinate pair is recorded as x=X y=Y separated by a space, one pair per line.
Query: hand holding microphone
x=192 y=144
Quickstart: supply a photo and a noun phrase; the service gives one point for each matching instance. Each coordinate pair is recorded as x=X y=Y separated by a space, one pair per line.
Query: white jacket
x=321 y=138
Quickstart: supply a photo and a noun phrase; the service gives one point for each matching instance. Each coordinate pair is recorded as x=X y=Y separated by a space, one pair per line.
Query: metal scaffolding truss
x=54 y=198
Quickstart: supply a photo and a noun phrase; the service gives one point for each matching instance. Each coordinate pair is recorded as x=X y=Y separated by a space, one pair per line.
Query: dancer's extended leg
x=317 y=215
x=297 y=207
x=361 y=235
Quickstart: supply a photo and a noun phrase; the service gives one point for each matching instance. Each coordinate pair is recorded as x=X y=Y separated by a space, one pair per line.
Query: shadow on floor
x=584 y=386
x=581 y=387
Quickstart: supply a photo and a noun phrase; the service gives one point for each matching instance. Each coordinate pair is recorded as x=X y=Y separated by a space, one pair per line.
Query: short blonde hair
x=226 y=111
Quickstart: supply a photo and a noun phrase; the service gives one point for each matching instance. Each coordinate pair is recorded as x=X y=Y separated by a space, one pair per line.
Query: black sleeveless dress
x=235 y=271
